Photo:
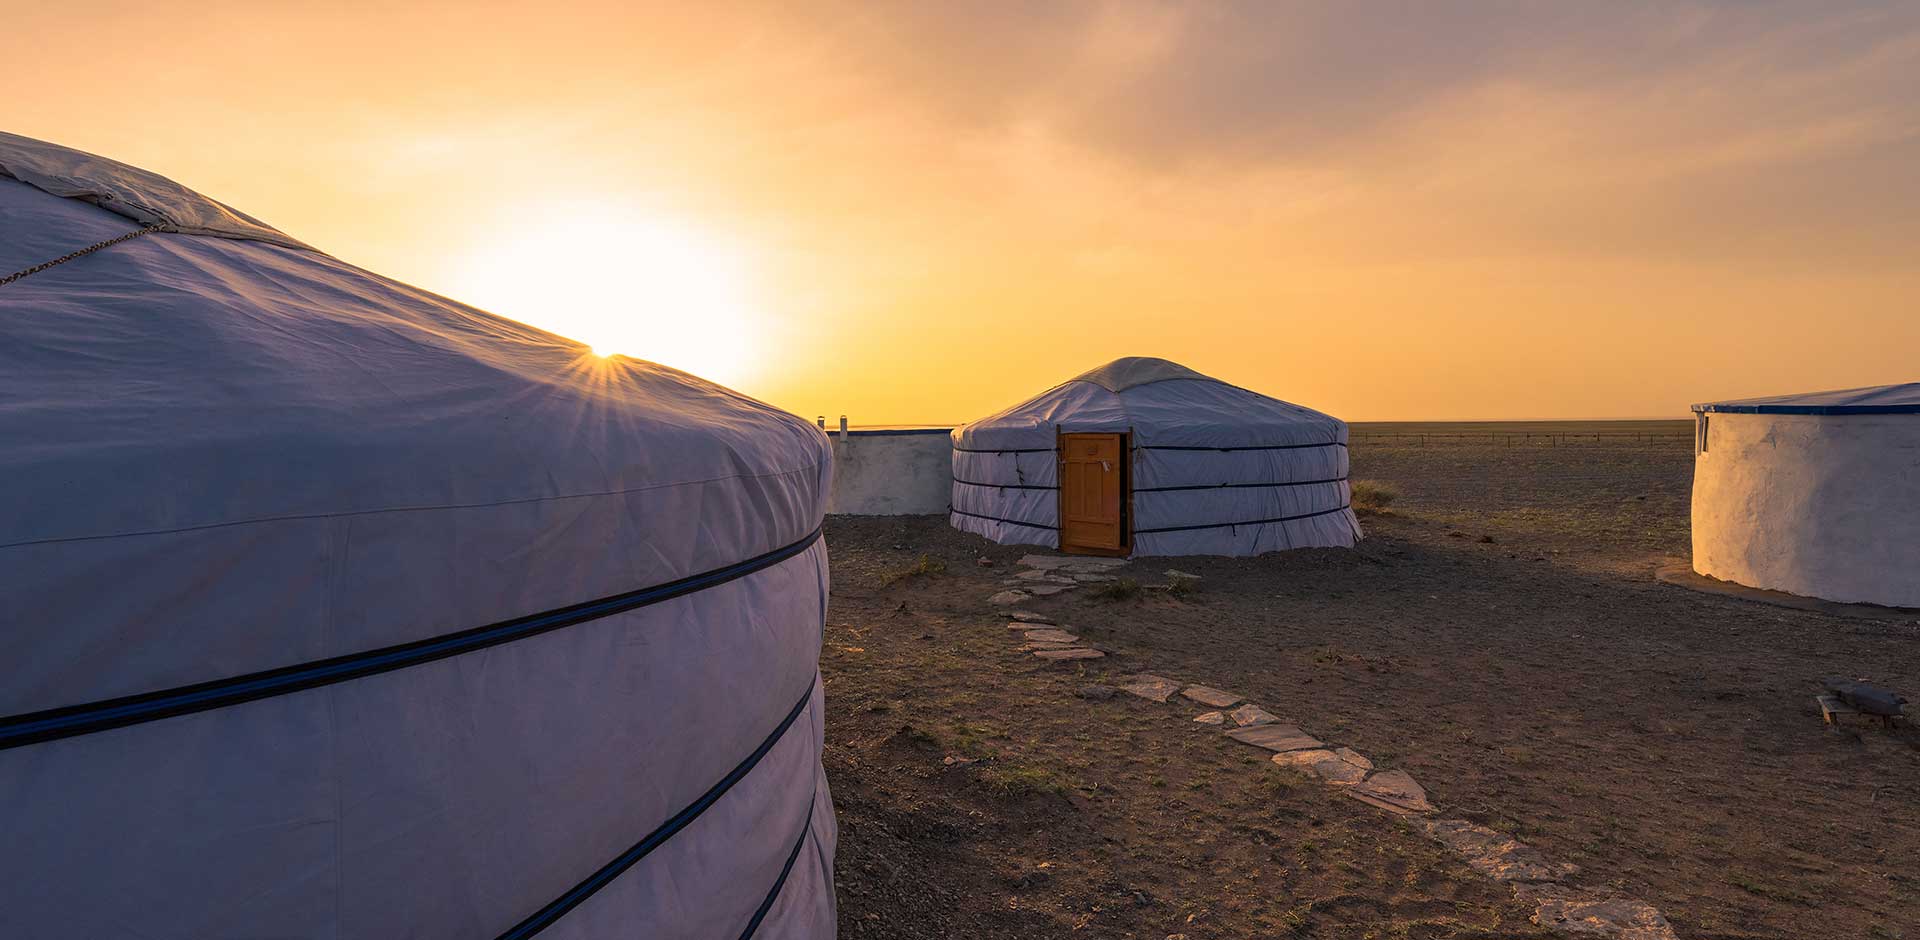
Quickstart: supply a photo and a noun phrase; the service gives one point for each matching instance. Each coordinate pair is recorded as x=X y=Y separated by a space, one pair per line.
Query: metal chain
x=90 y=249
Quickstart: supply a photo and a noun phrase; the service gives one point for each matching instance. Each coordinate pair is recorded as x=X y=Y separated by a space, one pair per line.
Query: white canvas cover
x=1811 y=494
x=1216 y=469
x=236 y=469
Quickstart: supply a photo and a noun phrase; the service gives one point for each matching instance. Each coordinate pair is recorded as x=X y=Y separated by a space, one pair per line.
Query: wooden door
x=1092 y=494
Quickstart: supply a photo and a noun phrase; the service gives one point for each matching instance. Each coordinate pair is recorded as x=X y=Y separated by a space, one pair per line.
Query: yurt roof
x=1878 y=399
x=1160 y=402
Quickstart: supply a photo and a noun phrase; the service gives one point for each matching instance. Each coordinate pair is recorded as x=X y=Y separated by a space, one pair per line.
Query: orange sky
x=925 y=213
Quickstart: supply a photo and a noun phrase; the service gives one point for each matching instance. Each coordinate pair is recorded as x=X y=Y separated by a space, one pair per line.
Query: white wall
x=1822 y=506
x=891 y=473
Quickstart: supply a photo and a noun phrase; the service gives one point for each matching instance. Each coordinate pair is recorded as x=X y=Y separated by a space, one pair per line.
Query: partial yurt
x=1816 y=494
x=333 y=608
x=1147 y=457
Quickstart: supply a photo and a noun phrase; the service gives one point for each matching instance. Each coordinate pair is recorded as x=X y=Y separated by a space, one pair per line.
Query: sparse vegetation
x=1752 y=885
x=1023 y=780
x=925 y=567
x=1183 y=587
x=1372 y=497
x=1124 y=589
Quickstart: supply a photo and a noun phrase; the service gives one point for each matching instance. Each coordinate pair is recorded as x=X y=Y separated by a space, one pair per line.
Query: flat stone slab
x=1043 y=576
x=1394 y=791
x=1211 y=718
x=1048 y=590
x=1302 y=758
x=1208 y=695
x=1069 y=561
x=1251 y=714
x=1494 y=854
x=1325 y=764
x=1094 y=578
x=1006 y=598
x=1353 y=757
x=1051 y=634
x=1028 y=616
x=1338 y=773
x=1177 y=573
x=1045 y=645
x=1069 y=654
x=1150 y=687
x=1557 y=908
x=1275 y=737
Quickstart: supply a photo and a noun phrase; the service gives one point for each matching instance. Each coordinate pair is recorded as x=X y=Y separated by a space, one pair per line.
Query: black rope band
x=1226 y=525
x=69 y=721
x=806 y=829
x=1234 y=486
x=544 y=917
x=1006 y=486
x=1030 y=525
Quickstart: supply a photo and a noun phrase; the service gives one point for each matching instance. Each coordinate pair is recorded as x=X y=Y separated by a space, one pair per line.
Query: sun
x=623 y=283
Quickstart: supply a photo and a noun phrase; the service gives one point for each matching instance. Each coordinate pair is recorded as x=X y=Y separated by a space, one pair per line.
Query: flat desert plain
x=1499 y=636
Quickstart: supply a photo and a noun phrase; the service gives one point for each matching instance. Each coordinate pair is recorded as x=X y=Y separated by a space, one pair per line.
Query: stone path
x=1151 y=688
x=1211 y=696
x=1340 y=767
x=1069 y=654
x=1275 y=737
x=1569 y=912
x=1045 y=576
x=1392 y=790
x=1536 y=880
x=1083 y=563
x=1496 y=855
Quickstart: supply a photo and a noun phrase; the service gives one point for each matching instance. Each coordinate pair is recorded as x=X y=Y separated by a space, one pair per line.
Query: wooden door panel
x=1092 y=492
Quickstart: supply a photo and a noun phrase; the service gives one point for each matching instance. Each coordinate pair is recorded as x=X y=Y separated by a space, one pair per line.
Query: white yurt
x=334 y=608
x=1816 y=495
x=1146 y=457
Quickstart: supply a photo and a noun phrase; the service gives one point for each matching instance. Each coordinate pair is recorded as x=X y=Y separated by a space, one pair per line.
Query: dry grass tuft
x=1371 y=497
x=927 y=566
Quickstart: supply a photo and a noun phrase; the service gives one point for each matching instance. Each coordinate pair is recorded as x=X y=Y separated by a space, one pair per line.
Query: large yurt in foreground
x=1147 y=457
x=333 y=608
x=1816 y=494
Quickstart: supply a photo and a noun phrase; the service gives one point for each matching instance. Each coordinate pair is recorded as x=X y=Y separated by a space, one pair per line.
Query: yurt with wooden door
x=1143 y=456
x=1815 y=494
x=333 y=608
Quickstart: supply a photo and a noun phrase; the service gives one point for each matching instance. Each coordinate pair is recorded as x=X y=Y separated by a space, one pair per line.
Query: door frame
x=1126 y=494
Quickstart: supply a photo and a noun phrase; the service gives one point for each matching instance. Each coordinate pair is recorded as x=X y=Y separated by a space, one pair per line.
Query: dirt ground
x=1498 y=635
